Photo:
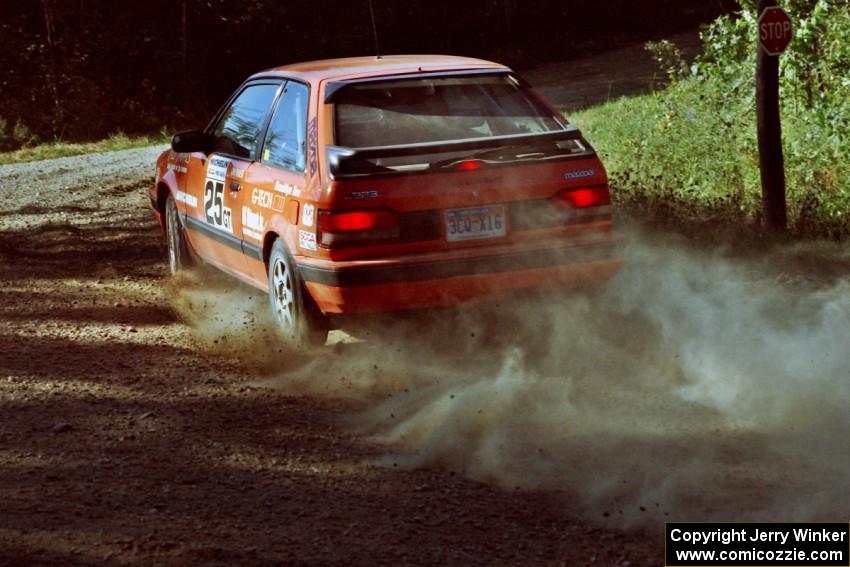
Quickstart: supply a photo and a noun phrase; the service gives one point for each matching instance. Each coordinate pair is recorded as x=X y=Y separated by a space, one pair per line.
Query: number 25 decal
x=213 y=201
x=217 y=214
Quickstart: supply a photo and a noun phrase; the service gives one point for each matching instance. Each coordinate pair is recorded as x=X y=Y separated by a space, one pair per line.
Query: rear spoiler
x=354 y=162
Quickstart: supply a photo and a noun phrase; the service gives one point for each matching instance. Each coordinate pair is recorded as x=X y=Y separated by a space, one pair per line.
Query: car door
x=215 y=181
x=277 y=180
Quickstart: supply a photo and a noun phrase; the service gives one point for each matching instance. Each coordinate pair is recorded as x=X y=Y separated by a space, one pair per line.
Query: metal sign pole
x=771 y=159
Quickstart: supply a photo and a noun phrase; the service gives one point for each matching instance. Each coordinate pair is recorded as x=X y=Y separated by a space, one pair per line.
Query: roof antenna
x=374 y=31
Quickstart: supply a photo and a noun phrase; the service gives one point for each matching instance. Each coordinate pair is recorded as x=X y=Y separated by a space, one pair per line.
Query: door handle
x=234 y=186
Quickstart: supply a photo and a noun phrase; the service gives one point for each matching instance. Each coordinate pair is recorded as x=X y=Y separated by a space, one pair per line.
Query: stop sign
x=775 y=30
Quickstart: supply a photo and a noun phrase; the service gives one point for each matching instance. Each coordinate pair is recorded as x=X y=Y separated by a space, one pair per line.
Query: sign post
x=775 y=33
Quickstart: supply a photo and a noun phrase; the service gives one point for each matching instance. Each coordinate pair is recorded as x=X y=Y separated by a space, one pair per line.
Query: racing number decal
x=213 y=205
x=216 y=213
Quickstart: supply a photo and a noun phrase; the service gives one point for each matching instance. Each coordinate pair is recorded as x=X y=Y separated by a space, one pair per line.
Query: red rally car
x=378 y=184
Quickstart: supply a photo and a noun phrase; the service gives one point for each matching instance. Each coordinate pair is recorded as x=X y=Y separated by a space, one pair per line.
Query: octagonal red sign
x=775 y=30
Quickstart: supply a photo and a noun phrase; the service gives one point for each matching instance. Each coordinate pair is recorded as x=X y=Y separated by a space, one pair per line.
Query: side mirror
x=192 y=141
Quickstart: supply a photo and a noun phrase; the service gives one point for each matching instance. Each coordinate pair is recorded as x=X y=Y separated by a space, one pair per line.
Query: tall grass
x=61 y=149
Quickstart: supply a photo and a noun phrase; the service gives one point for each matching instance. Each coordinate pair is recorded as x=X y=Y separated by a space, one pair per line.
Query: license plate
x=475 y=222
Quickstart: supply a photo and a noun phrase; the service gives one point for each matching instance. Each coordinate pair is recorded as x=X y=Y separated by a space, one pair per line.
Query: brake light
x=469 y=165
x=585 y=197
x=356 y=220
x=356 y=227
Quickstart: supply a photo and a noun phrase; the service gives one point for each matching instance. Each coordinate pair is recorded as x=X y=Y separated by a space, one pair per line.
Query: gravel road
x=129 y=437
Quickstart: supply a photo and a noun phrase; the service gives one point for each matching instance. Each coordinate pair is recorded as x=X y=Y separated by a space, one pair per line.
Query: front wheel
x=179 y=255
x=298 y=320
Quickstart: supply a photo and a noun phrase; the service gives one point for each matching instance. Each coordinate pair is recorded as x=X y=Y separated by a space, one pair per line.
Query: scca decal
x=314 y=148
x=307 y=240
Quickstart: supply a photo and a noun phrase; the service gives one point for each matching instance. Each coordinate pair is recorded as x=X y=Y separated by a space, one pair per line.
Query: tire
x=180 y=256
x=297 y=319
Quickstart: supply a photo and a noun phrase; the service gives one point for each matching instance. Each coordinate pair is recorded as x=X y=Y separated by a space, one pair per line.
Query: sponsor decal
x=307 y=239
x=296 y=192
x=284 y=188
x=313 y=138
x=357 y=195
x=579 y=174
x=307 y=215
x=277 y=203
x=252 y=223
x=217 y=168
x=237 y=173
x=261 y=198
x=178 y=158
x=186 y=198
x=174 y=161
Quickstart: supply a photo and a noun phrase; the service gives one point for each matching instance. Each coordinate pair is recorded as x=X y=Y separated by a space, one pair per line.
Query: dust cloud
x=226 y=318
x=690 y=387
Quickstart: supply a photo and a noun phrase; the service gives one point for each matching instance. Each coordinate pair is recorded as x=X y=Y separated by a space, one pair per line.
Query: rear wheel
x=298 y=320
x=179 y=255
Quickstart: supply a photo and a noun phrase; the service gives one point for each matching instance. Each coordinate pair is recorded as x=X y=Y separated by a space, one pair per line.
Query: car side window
x=286 y=140
x=239 y=128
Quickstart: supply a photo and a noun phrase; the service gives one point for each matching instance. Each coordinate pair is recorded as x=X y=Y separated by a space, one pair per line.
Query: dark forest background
x=81 y=69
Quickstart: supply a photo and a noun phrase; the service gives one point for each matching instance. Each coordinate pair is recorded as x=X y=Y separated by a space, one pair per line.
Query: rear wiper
x=478 y=155
x=528 y=152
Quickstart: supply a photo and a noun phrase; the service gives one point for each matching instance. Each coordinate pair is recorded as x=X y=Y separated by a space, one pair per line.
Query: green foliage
x=691 y=149
x=669 y=59
x=78 y=70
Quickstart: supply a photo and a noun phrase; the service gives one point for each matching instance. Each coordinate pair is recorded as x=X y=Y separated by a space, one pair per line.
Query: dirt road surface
x=124 y=439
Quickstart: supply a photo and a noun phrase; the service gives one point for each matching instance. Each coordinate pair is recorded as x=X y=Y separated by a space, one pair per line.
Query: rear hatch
x=451 y=161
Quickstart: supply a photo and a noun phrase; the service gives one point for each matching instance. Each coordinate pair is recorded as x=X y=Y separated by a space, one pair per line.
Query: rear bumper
x=374 y=286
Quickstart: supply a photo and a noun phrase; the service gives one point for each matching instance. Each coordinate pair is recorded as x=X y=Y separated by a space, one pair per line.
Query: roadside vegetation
x=689 y=152
x=78 y=74
x=61 y=149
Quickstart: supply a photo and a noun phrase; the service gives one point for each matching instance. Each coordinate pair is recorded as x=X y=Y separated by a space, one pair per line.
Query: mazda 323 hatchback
x=368 y=185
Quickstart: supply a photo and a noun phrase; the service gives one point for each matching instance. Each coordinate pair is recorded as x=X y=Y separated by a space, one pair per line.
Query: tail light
x=356 y=227
x=469 y=165
x=585 y=197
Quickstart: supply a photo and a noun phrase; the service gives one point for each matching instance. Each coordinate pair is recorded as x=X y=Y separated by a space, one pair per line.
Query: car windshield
x=434 y=109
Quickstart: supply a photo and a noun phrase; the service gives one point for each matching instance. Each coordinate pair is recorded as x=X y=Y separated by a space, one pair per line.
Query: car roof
x=359 y=67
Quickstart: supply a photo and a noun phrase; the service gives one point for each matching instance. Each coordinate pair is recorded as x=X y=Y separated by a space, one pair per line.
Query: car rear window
x=433 y=109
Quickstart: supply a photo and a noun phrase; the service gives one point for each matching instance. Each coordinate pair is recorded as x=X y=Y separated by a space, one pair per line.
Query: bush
x=691 y=149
